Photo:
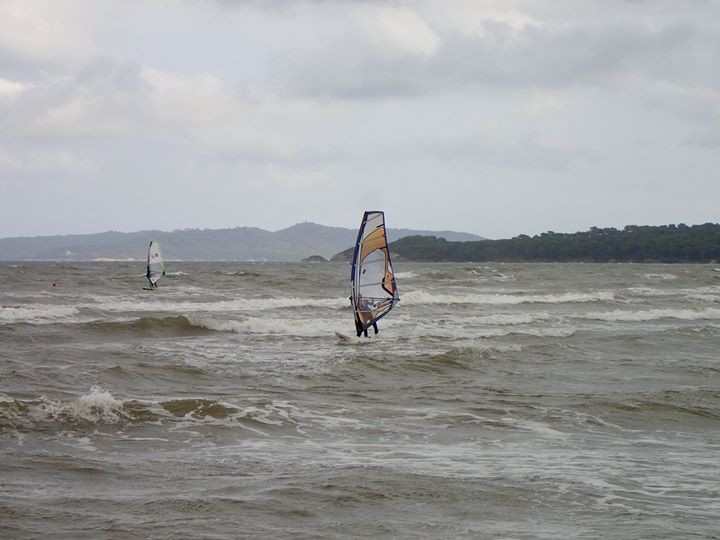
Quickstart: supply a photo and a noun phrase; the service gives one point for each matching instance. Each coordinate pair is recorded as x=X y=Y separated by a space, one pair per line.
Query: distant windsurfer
x=155 y=265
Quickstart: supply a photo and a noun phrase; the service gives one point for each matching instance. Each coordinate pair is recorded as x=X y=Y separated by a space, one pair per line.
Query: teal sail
x=374 y=291
x=156 y=265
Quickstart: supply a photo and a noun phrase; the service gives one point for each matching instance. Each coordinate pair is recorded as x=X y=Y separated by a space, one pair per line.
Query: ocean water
x=498 y=401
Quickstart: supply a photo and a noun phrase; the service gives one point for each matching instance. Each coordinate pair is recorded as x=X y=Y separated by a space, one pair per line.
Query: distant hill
x=666 y=243
x=238 y=244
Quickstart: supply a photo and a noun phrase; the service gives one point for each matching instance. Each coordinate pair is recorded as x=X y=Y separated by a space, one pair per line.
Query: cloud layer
x=497 y=118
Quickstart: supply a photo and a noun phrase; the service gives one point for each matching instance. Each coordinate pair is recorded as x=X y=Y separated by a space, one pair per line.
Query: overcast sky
x=492 y=117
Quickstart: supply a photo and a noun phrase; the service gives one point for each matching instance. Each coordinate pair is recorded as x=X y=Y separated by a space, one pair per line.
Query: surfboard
x=343 y=339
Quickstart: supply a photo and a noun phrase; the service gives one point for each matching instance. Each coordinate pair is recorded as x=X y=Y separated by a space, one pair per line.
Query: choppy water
x=499 y=401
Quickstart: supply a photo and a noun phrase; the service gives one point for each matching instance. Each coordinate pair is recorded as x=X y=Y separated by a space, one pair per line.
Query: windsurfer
x=371 y=272
x=155 y=266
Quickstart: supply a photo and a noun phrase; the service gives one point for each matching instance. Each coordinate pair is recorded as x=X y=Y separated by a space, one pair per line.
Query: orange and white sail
x=374 y=291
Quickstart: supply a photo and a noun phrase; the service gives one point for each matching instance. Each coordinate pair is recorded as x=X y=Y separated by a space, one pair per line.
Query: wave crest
x=96 y=407
x=422 y=297
x=36 y=314
x=653 y=314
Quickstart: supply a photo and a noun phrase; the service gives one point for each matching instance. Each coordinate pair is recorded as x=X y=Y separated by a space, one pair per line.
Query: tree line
x=633 y=243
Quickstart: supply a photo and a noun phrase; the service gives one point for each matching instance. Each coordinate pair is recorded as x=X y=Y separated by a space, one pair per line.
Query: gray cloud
x=499 y=117
x=539 y=57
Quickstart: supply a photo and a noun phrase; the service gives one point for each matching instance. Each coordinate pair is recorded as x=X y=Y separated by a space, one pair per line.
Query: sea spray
x=97 y=407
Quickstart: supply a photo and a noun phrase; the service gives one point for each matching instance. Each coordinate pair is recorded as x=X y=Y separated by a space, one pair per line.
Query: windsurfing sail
x=374 y=291
x=156 y=265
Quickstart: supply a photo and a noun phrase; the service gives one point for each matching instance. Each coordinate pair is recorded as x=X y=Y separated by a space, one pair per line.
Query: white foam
x=422 y=297
x=510 y=319
x=653 y=314
x=660 y=277
x=497 y=347
x=651 y=291
x=405 y=275
x=468 y=329
x=99 y=407
x=703 y=298
x=538 y=428
x=85 y=444
x=225 y=306
x=281 y=326
x=275 y=413
x=36 y=313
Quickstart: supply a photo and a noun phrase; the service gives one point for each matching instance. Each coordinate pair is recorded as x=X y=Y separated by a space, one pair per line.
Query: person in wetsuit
x=365 y=304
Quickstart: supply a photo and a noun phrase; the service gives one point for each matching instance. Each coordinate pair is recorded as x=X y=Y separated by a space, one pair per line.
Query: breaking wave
x=510 y=319
x=36 y=313
x=471 y=333
x=422 y=297
x=660 y=277
x=100 y=407
x=198 y=324
x=180 y=324
x=281 y=326
x=653 y=314
x=96 y=407
x=239 y=304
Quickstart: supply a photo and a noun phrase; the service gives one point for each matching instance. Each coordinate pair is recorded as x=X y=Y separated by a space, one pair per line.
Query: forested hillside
x=666 y=243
